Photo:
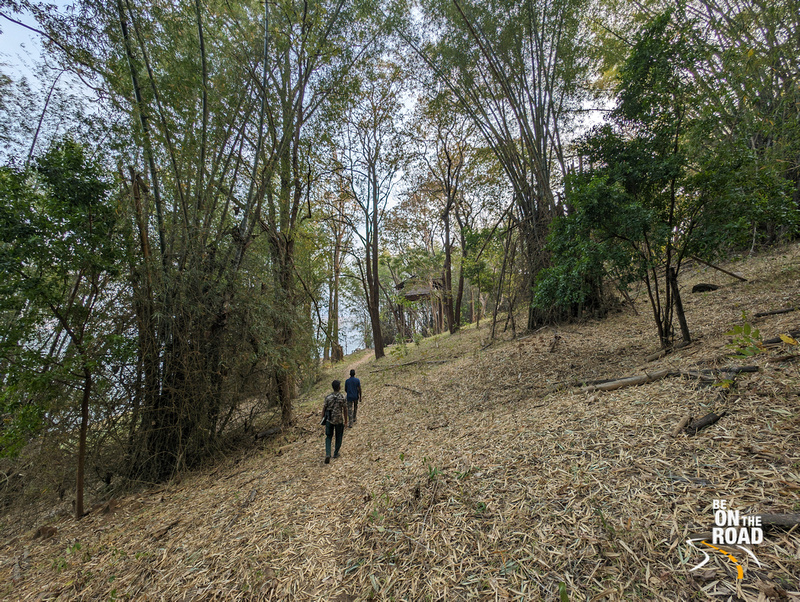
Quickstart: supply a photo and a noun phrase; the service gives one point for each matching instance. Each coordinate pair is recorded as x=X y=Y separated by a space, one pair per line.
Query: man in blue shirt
x=352 y=386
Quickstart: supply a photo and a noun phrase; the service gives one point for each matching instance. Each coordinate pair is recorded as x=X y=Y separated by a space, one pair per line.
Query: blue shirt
x=351 y=386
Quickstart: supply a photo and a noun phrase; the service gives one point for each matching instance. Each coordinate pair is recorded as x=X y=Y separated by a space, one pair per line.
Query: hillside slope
x=480 y=473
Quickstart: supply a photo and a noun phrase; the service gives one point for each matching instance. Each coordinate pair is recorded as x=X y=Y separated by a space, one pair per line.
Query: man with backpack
x=334 y=417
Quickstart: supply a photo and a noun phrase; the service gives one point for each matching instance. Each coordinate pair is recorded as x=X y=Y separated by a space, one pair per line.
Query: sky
x=19 y=47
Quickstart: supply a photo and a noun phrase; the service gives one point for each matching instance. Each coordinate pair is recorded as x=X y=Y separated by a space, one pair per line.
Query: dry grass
x=492 y=485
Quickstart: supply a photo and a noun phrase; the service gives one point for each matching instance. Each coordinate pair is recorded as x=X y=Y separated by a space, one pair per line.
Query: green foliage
x=401 y=350
x=650 y=196
x=433 y=471
x=588 y=244
x=483 y=271
x=748 y=75
x=21 y=420
x=631 y=211
x=59 y=564
x=746 y=340
x=218 y=108
x=520 y=71
x=59 y=252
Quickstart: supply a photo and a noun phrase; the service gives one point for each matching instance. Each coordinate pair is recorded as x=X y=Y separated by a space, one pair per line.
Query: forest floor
x=482 y=472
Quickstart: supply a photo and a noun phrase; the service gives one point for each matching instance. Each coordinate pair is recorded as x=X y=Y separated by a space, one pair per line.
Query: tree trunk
x=373 y=305
x=284 y=373
x=87 y=391
x=334 y=308
x=460 y=290
x=373 y=282
x=676 y=296
x=447 y=293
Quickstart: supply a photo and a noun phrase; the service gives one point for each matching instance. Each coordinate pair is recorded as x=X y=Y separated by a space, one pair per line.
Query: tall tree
x=372 y=156
x=745 y=71
x=59 y=253
x=647 y=199
x=338 y=214
x=633 y=201
x=749 y=75
x=518 y=70
x=315 y=48
x=446 y=138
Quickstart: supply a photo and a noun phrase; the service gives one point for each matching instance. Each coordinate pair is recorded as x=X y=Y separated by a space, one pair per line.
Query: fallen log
x=566 y=384
x=761 y=314
x=628 y=382
x=681 y=425
x=732 y=370
x=704 y=287
x=777 y=520
x=694 y=427
x=785 y=358
x=268 y=433
x=589 y=386
x=698 y=375
x=777 y=340
x=403 y=388
x=598 y=381
x=716 y=267
x=404 y=364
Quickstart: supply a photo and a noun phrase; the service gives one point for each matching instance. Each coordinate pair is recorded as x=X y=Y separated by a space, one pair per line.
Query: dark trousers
x=330 y=429
x=352 y=410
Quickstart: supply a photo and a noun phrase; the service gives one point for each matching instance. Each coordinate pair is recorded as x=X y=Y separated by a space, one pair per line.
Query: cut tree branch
x=719 y=269
x=404 y=388
x=628 y=382
x=694 y=427
x=761 y=314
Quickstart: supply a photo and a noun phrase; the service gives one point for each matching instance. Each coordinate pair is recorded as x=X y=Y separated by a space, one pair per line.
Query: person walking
x=336 y=408
x=352 y=386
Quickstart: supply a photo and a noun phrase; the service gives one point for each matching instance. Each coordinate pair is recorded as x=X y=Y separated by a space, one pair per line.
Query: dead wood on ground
x=778 y=340
x=776 y=312
x=404 y=388
x=403 y=365
x=630 y=381
x=681 y=425
x=719 y=269
x=694 y=427
x=777 y=520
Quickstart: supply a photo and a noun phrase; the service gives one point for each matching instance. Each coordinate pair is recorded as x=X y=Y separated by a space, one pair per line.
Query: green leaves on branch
x=654 y=190
x=746 y=340
x=58 y=252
